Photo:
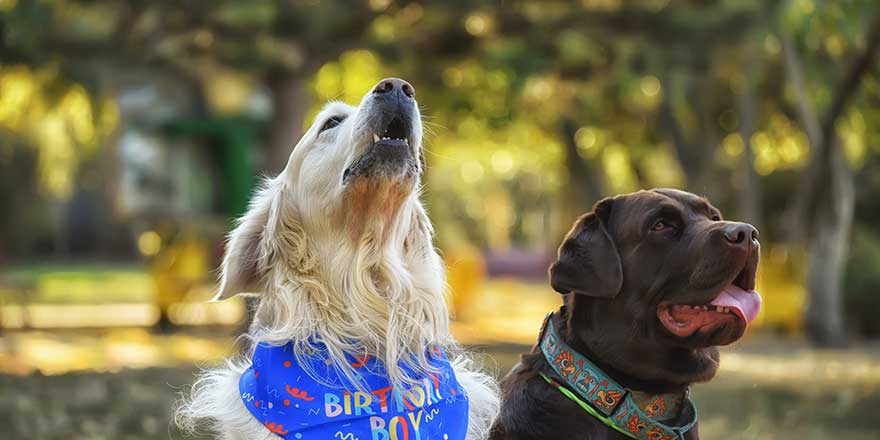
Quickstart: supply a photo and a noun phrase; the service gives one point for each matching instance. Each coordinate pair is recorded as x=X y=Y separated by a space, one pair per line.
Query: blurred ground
x=78 y=374
x=758 y=394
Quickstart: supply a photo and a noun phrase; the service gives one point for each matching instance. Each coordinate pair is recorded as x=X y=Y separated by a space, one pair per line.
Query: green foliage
x=534 y=110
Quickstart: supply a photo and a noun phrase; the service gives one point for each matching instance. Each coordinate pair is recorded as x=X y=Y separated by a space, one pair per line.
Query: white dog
x=339 y=247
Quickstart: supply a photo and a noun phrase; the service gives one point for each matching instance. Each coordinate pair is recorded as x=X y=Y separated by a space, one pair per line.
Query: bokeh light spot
x=149 y=243
x=471 y=171
x=502 y=162
x=650 y=85
x=478 y=24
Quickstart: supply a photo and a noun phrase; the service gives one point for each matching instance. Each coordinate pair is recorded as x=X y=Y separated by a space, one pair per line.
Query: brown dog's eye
x=716 y=218
x=660 y=226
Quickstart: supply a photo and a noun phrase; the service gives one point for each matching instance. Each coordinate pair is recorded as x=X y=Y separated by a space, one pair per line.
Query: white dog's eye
x=332 y=122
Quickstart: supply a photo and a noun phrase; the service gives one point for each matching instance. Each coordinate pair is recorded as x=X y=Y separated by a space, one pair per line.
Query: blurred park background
x=133 y=132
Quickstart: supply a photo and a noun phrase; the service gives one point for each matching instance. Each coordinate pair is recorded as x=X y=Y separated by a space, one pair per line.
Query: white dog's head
x=339 y=245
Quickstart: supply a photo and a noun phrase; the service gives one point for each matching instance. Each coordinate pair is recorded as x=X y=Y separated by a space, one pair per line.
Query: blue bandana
x=280 y=393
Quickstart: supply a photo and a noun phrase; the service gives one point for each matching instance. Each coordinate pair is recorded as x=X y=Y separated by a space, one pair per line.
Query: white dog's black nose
x=391 y=84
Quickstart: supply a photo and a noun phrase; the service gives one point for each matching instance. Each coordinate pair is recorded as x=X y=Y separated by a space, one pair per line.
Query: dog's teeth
x=375 y=137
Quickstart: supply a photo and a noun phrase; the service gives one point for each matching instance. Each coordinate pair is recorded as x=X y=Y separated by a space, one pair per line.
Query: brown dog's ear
x=588 y=262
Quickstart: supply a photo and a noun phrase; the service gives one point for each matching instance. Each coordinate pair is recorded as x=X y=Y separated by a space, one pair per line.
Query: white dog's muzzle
x=388 y=120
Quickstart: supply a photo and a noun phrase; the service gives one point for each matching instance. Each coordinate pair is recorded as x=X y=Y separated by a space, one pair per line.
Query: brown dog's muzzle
x=740 y=237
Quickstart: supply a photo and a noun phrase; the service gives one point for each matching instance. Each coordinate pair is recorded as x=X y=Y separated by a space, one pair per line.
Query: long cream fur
x=366 y=280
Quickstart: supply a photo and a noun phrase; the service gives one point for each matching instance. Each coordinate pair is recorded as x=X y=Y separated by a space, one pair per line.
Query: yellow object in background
x=465 y=274
x=180 y=265
x=782 y=290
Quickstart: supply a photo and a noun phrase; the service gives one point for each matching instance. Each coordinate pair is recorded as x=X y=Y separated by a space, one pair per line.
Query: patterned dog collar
x=637 y=415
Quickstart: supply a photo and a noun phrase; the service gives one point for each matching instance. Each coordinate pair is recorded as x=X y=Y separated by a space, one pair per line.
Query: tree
x=823 y=207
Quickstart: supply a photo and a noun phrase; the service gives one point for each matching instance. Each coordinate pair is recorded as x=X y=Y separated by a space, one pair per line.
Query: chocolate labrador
x=653 y=282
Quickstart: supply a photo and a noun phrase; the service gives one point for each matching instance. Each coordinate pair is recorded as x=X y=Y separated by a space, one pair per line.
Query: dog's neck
x=374 y=207
x=356 y=295
x=611 y=352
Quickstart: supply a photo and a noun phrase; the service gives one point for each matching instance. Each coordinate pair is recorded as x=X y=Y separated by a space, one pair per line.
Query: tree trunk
x=796 y=220
x=747 y=179
x=706 y=176
x=828 y=253
x=693 y=156
x=585 y=178
x=826 y=200
x=290 y=103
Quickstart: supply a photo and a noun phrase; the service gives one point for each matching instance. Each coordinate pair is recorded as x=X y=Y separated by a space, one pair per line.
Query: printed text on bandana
x=377 y=404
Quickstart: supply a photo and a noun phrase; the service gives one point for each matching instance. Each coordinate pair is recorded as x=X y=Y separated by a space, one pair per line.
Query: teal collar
x=635 y=414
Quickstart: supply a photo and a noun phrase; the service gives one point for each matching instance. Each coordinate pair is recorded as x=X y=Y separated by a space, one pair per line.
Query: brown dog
x=653 y=281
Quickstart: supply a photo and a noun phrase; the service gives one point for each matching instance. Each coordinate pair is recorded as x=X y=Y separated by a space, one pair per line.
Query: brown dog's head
x=658 y=281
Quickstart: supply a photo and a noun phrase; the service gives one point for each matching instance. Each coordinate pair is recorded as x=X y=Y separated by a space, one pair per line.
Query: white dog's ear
x=241 y=262
x=268 y=238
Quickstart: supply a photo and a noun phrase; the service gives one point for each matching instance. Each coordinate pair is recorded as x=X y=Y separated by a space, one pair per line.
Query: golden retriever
x=339 y=249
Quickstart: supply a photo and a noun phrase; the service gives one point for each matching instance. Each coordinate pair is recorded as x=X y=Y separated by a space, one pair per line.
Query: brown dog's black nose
x=390 y=84
x=740 y=234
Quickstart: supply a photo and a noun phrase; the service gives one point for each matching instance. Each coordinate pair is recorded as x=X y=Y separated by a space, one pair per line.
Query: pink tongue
x=746 y=303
